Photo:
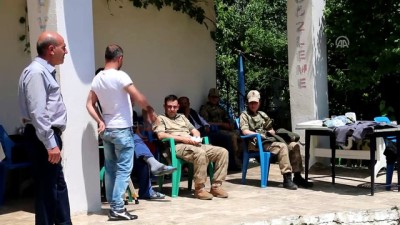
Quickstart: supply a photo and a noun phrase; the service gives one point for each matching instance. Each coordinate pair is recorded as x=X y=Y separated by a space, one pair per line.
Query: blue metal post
x=241 y=86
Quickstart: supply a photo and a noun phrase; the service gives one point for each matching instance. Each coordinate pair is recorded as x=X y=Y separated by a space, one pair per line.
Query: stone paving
x=349 y=199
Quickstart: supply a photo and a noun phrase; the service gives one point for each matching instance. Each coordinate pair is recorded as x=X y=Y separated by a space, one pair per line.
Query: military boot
x=300 y=181
x=201 y=193
x=288 y=182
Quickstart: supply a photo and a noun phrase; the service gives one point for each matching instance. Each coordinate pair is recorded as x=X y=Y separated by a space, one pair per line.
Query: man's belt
x=57 y=130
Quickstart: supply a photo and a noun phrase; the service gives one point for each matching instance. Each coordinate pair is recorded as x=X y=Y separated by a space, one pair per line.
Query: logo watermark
x=342 y=42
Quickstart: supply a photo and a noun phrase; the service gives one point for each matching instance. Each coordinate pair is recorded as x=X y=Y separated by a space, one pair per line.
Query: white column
x=73 y=19
x=307 y=60
x=307 y=65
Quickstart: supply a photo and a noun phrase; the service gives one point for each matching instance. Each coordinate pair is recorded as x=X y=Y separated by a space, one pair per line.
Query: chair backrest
x=382 y=119
x=7 y=144
x=237 y=123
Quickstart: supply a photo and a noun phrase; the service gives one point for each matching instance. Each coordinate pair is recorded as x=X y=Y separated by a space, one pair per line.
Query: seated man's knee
x=279 y=148
x=294 y=146
x=224 y=152
x=200 y=154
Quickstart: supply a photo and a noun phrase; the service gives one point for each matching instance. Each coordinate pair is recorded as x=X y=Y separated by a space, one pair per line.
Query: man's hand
x=187 y=112
x=207 y=129
x=152 y=118
x=54 y=155
x=189 y=141
x=227 y=126
x=272 y=131
x=101 y=127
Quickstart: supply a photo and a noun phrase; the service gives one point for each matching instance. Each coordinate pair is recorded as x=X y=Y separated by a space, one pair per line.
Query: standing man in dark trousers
x=44 y=113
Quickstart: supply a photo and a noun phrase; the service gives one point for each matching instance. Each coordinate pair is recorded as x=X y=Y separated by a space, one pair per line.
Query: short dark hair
x=99 y=70
x=113 y=52
x=44 y=44
x=170 y=98
x=183 y=97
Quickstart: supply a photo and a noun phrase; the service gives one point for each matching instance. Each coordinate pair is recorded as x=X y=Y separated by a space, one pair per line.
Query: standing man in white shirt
x=114 y=89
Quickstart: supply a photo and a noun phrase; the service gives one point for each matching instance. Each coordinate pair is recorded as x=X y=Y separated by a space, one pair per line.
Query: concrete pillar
x=307 y=60
x=73 y=19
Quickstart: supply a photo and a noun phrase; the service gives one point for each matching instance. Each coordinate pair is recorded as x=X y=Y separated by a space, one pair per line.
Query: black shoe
x=121 y=215
x=300 y=181
x=288 y=182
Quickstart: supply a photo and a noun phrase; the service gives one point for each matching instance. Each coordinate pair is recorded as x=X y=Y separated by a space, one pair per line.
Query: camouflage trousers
x=200 y=156
x=289 y=156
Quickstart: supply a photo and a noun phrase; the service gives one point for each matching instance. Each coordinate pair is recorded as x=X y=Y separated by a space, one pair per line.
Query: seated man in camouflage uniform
x=286 y=149
x=177 y=126
x=215 y=115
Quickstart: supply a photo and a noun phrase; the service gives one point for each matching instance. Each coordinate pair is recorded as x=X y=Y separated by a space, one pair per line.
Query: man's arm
x=245 y=128
x=244 y=125
x=203 y=112
x=36 y=95
x=178 y=139
x=204 y=123
x=93 y=110
x=141 y=100
x=161 y=131
x=36 y=99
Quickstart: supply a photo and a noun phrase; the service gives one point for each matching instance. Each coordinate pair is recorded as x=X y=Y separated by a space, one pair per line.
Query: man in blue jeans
x=144 y=164
x=114 y=89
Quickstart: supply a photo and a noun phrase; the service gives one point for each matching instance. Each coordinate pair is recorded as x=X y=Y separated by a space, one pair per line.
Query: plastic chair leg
x=190 y=177
x=244 y=167
x=211 y=172
x=102 y=174
x=265 y=169
x=176 y=179
x=389 y=175
x=160 y=183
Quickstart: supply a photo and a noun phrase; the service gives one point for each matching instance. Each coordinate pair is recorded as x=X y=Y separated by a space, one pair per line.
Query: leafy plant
x=367 y=71
x=24 y=38
x=256 y=29
x=188 y=7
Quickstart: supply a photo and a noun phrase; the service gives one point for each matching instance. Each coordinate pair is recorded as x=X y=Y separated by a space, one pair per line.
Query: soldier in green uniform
x=215 y=115
x=287 y=151
x=175 y=125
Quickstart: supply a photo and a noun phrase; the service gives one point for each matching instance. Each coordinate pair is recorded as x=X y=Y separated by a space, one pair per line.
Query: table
x=314 y=129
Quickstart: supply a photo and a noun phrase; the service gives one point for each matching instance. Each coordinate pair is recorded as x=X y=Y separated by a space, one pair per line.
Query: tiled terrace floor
x=246 y=203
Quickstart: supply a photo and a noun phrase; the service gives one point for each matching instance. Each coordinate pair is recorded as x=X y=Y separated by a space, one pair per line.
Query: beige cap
x=213 y=92
x=253 y=96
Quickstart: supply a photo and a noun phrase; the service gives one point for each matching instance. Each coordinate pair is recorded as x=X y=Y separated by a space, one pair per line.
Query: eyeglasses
x=172 y=106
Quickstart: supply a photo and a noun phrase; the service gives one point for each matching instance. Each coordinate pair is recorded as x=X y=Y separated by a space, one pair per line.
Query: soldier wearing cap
x=216 y=116
x=288 y=152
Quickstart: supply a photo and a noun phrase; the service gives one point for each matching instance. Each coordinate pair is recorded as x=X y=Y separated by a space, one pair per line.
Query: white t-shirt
x=114 y=100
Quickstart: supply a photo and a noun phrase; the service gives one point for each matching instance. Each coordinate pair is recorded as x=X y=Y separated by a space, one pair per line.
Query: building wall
x=13 y=61
x=165 y=51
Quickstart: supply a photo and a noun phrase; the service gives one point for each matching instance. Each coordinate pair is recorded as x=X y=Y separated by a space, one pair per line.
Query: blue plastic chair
x=264 y=157
x=7 y=164
x=389 y=167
